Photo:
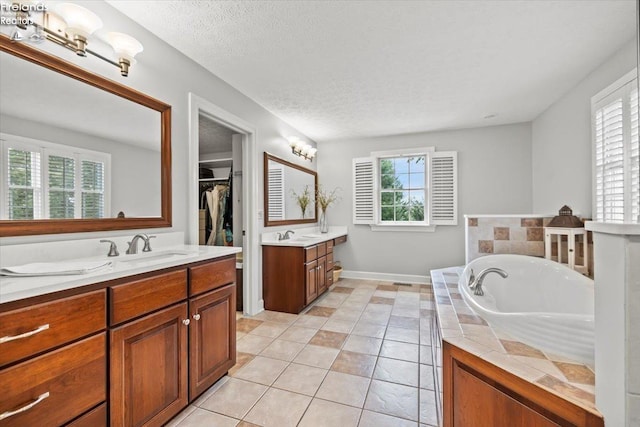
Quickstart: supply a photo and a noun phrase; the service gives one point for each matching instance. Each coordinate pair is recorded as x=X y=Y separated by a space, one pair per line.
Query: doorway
x=222 y=157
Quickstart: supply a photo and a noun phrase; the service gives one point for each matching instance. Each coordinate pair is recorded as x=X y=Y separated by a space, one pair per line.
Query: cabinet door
x=213 y=337
x=149 y=368
x=311 y=281
x=322 y=274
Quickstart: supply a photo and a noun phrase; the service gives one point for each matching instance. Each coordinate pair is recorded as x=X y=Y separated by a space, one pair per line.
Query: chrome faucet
x=133 y=244
x=476 y=284
x=113 y=248
x=286 y=235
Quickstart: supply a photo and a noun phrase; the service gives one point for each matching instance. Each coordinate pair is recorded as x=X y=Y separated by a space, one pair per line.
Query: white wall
x=494 y=171
x=135 y=171
x=164 y=73
x=561 y=140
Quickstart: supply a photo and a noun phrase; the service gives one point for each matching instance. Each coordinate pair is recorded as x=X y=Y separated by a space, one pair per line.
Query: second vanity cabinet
x=294 y=276
x=142 y=346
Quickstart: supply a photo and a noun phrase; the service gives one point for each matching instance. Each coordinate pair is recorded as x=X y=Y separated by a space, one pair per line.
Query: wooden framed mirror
x=80 y=152
x=284 y=184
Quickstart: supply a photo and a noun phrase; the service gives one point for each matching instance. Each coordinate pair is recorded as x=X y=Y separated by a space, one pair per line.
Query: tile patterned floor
x=360 y=356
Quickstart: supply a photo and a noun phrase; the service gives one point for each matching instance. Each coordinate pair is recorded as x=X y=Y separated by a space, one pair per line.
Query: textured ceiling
x=344 y=69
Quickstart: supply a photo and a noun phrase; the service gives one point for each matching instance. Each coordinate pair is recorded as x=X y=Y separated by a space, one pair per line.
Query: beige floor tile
x=314 y=322
x=366 y=345
x=377 y=318
x=241 y=360
x=329 y=339
x=426 y=377
x=374 y=419
x=181 y=416
x=253 y=344
x=234 y=398
x=298 y=334
x=344 y=388
x=269 y=329
x=397 y=371
x=276 y=316
x=385 y=294
x=357 y=305
x=353 y=363
x=262 y=370
x=200 y=417
x=428 y=413
x=425 y=337
x=393 y=399
x=329 y=414
x=400 y=350
x=344 y=313
x=278 y=408
x=209 y=392
x=404 y=322
x=246 y=325
x=426 y=357
x=320 y=357
x=301 y=379
x=239 y=335
x=247 y=424
x=320 y=311
x=283 y=350
x=339 y=325
x=333 y=300
x=401 y=334
x=369 y=329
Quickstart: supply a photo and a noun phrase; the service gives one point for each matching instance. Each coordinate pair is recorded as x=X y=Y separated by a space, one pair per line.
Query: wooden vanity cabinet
x=212 y=336
x=294 y=276
x=54 y=361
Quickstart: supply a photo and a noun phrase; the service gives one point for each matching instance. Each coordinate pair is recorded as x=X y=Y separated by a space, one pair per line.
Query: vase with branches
x=303 y=199
x=324 y=199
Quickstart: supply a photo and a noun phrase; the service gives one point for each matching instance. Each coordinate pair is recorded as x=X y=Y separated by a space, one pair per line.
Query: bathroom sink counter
x=460 y=326
x=18 y=290
x=304 y=237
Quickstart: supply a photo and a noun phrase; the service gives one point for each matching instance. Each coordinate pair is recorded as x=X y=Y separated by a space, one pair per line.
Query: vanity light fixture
x=301 y=148
x=70 y=26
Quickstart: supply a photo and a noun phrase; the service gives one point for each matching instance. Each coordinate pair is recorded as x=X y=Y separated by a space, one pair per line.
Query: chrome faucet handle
x=280 y=236
x=113 y=249
x=147 y=244
x=286 y=234
x=472 y=279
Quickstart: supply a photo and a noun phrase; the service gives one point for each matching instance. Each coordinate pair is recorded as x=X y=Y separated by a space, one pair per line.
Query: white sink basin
x=153 y=257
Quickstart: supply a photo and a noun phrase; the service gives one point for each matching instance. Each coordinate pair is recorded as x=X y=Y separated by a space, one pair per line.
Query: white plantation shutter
x=276 y=192
x=364 y=193
x=615 y=153
x=92 y=182
x=443 y=188
x=22 y=181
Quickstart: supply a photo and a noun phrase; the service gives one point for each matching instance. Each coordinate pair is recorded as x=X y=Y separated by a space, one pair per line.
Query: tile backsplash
x=509 y=234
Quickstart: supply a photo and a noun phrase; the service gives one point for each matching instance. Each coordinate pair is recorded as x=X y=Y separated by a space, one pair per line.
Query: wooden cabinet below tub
x=294 y=276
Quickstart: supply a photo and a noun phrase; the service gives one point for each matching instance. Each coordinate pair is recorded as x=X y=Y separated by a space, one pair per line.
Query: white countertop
x=16 y=288
x=613 y=228
x=303 y=237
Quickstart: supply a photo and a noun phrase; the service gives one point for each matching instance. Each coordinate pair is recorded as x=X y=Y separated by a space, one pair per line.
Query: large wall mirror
x=79 y=152
x=289 y=192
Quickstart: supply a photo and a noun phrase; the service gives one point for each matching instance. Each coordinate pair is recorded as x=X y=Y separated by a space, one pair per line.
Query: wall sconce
x=301 y=148
x=70 y=26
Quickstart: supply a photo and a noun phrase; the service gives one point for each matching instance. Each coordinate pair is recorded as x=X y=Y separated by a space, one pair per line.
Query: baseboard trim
x=401 y=278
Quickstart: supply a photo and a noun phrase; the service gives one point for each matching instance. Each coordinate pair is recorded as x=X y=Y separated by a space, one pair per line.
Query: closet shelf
x=212 y=179
x=216 y=163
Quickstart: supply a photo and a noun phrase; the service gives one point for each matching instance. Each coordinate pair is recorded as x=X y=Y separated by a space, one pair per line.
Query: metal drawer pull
x=25 y=335
x=186 y=322
x=40 y=398
x=196 y=317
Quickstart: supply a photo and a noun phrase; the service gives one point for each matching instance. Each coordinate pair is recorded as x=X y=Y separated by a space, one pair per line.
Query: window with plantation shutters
x=42 y=180
x=616 y=167
x=276 y=191
x=405 y=190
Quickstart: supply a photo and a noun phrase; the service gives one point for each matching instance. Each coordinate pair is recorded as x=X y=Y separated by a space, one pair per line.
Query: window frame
x=47 y=149
x=411 y=226
x=603 y=98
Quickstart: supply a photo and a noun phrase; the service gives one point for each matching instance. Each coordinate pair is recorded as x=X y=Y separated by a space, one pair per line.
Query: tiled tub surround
x=359 y=356
x=461 y=327
x=511 y=234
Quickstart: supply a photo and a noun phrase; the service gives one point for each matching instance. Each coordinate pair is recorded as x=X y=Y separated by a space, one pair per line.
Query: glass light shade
x=293 y=140
x=300 y=145
x=54 y=23
x=312 y=152
x=305 y=149
x=80 y=21
x=125 y=46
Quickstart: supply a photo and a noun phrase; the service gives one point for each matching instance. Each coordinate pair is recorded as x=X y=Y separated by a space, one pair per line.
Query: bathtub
x=542 y=303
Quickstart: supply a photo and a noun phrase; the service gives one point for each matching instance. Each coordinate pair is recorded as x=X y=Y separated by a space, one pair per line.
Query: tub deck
x=462 y=327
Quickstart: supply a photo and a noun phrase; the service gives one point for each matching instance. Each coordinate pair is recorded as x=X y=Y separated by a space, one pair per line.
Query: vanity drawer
x=330 y=246
x=212 y=275
x=339 y=240
x=322 y=249
x=310 y=253
x=143 y=296
x=31 y=330
x=330 y=261
x=97 y=417
x=65 y=383
x=329 y=279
